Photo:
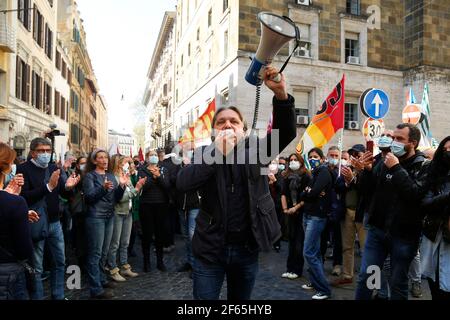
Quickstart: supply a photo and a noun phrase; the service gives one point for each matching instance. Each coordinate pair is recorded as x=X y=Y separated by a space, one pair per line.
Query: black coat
x=436 y=205
x=34 y=189
x=397 y=194
x=210 y=233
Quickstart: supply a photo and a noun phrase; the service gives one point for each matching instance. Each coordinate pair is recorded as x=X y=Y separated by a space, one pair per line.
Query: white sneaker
x=320 y=296
x=292 y=276
x=126 y=272
x=286 y=275
x=308 y=286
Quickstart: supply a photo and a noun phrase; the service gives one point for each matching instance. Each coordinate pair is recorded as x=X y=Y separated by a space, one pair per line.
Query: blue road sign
x=376 y=104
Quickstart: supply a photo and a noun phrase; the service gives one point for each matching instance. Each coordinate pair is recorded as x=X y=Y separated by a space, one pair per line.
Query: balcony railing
x=7 y=36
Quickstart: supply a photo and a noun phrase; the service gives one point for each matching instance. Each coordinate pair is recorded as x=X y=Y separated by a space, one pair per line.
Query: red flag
x=202 y=128
x=141 y=155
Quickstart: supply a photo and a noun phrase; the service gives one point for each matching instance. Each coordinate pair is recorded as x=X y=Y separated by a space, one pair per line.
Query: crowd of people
x=392 y=208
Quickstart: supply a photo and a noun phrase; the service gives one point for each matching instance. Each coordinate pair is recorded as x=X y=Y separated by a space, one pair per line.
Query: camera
x=51 y=135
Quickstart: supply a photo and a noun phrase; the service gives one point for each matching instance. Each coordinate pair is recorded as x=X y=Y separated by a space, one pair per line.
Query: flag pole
x=340 y=145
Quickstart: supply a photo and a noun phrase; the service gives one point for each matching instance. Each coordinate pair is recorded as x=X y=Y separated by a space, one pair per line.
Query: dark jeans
x=155 y=222
x=437 y=293
x=240 y=266
x=337 y=242
x=296 y=236
x=378 y=247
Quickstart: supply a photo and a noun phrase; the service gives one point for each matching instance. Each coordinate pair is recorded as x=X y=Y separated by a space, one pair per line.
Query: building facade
x=84 y=89
x=159 y=92
x=376 y=43
x=123 y=142
x=32 y=76
x=102 y=122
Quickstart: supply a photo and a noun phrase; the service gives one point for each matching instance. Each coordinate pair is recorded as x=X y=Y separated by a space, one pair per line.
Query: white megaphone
x=276 y=31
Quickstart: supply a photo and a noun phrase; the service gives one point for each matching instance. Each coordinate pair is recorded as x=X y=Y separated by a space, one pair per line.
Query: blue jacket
x=100 y=202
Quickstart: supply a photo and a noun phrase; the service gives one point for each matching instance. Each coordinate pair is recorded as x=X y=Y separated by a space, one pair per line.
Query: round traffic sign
x=412 y=114
x=373 y=129
x=376 y=104
x=361 y=102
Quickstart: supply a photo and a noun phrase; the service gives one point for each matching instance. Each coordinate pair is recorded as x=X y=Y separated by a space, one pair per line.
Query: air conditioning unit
x=303 y=52
x=303 y=120
x=353 y=125
x=353 y=60
x=304 y=2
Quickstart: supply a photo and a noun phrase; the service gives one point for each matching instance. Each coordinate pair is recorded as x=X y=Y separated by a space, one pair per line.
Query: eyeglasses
x=41 y=151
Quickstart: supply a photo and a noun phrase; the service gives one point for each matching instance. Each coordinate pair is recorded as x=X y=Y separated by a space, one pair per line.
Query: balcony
x=7 y=36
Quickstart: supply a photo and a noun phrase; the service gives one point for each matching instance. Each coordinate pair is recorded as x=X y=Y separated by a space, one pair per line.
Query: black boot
x=159 y=260
x=146 y=253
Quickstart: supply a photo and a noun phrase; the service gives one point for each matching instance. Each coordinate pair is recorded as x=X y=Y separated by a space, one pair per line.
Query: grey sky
x=121 y=36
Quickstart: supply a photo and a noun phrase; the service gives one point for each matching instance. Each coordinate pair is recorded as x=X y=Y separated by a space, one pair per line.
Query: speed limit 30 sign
x=373 y=129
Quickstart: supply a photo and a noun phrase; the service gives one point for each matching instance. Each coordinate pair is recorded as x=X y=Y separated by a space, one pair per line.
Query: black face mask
x=446 y=158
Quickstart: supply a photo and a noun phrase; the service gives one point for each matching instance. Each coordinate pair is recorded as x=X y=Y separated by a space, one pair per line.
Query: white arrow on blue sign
x=376 y=104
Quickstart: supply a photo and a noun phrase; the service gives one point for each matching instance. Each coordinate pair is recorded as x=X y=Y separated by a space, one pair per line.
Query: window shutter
x=18 y=78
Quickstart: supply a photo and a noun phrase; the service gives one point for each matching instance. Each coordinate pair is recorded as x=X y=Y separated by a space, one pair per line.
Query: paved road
x=178 y=286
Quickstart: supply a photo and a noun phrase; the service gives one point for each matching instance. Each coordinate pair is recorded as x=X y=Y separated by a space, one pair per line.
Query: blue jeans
x=99 y=233
x=314 y=227
x=240 y=266
x=120 y=240
x=55 y=242
x=187 y=223
x=378 y=246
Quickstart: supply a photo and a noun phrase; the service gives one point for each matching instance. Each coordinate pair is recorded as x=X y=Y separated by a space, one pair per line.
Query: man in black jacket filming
x=237 y=215
x=397 y=185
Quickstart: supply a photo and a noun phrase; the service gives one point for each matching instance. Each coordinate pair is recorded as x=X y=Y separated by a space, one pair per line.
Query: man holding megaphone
x=237 y=215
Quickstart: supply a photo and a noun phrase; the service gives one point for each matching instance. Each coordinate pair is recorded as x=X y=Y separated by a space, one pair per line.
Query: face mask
x=294 y=165
x=10 y=176
x=190 y=154
x=43 y=160
x=314 y=163
x=154 y=160
x=333 y=162
x=385 y=142
x=344 y=163
x=136 y=163
x=281 y=167
x=82 y=167
x=126 y=168
x=398 y=149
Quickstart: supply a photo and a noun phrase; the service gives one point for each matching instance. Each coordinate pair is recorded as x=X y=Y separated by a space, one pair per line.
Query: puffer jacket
x=100 y=202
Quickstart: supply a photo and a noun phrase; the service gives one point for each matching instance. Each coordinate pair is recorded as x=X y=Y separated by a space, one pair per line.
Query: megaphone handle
x=277 y=78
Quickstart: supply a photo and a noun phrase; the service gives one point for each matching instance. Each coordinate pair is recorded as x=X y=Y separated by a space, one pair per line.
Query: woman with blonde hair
x=123 y=222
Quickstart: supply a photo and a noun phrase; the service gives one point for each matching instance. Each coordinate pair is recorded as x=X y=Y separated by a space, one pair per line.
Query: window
x=198 y=34
x=69 y=77
x=225 y=5
x=63 y=108
x=182 y=61
x=225 y=97
x=48 y=42
x=74 y=134
x=354 y=7
x=209 y=17
x=64 y=69
x=24 y=13
x=38 y=27
x=93 y=112
x=47 y=98
x=36 y=96
x=304 y=49
x=189 y=49
x=165 y=90
x=75 y=101
x=351 y=114
x=22 y=80
x=57 y=103
x=225 y=46
x=302 y=102
x=351 y=47
x=58 y=60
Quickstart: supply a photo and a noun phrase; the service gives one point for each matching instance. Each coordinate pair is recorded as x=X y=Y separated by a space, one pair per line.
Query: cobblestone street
x=178 y=286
